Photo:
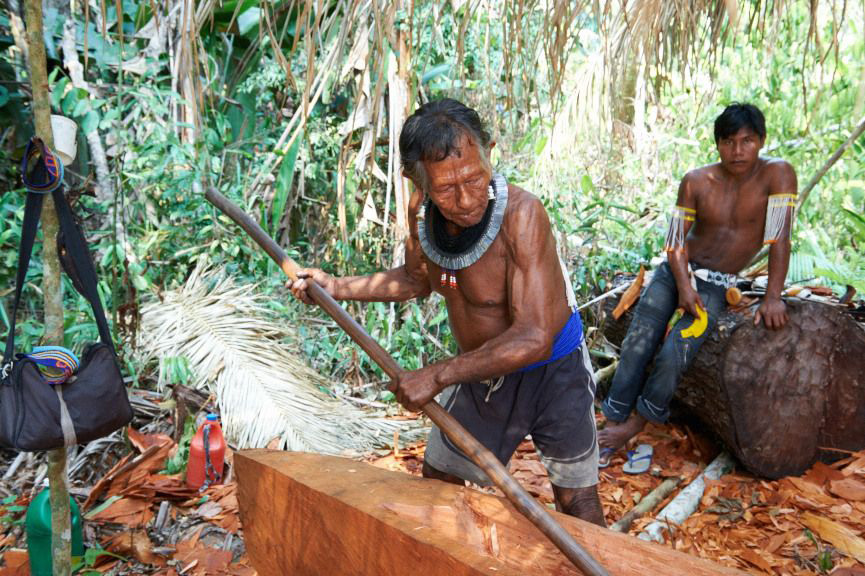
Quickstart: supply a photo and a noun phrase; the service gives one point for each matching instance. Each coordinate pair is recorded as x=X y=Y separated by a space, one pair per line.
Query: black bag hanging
x=92 y=402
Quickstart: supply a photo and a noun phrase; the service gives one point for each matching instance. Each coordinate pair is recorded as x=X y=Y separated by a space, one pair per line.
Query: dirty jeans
x=657 y=304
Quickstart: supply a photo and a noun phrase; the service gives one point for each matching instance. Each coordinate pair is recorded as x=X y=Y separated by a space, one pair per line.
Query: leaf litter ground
x=151 y=523
x=810 y=524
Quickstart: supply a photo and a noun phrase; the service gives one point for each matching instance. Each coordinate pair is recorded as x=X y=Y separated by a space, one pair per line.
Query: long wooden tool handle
x=484 y=459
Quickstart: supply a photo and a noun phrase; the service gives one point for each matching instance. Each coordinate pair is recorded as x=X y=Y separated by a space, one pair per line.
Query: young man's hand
x=773 y=312
x=300 y=286
x=689 y=299
x=416 y=388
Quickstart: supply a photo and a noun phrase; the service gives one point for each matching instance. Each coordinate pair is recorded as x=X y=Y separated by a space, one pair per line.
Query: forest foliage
x=292 y=109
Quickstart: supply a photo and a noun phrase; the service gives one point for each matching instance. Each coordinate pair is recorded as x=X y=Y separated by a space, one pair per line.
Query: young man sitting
x=724 y=213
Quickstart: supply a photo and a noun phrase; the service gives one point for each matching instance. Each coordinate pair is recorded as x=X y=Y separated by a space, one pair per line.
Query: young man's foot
x=616 y=435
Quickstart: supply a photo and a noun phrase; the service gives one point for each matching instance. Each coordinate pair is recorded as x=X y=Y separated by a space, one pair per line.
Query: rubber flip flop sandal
x=605 y=456
x=639 y=460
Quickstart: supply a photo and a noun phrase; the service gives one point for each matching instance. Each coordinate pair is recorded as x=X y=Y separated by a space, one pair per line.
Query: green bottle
x=38 y=529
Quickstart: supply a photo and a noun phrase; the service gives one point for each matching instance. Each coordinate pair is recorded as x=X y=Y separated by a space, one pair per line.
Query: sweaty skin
x=730 y=198
x=507 y=307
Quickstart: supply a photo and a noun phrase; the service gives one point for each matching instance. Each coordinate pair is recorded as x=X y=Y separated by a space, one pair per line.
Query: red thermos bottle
x=206 y=455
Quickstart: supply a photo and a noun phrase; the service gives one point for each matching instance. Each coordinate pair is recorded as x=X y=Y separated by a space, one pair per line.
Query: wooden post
x=61 y=530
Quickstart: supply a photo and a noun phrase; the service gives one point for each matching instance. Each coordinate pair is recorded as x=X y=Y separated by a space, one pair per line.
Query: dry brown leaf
x=144 y=441
x=630 y=296
x=128 y=511
x=837 y=534
x=848 y=489
x=17 y=563
x=203 y=560
x=775 y=542
x=821 y=474
x=103 y=482
x=754 y=558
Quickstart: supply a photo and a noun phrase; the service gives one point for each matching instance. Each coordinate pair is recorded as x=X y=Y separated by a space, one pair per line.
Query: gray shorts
x=553 y=403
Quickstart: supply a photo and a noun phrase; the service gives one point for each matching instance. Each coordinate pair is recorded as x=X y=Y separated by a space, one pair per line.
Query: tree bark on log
x=778 y=400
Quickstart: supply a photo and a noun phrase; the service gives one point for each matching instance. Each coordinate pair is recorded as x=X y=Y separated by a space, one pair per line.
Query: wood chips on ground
x=810 y=524
x=795 y=526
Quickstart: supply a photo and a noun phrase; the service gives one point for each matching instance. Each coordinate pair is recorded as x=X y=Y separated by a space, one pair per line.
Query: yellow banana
x=696 y=329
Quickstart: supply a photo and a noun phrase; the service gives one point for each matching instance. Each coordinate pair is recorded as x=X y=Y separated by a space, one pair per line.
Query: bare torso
x=480 y=307
x=728 y=231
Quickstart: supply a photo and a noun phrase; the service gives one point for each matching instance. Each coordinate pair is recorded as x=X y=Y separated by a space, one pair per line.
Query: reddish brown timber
x=309 y=514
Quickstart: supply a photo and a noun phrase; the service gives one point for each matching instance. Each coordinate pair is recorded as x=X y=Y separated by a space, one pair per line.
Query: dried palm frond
x=263 y=388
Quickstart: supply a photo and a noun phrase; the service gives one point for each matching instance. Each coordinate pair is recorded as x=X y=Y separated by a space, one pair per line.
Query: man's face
x=740 y=151
x=458 y=184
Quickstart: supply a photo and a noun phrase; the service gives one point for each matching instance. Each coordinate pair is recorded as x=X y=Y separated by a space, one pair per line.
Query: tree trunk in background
x=105 y=195
x=625 y=88
x=61 y=541
x=626 y=91
x=776 y=399
x=399 y=99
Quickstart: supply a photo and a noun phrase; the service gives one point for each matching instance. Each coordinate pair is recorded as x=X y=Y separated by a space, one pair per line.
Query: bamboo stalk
x=485 y=459
x=61 y=531
x=274 y=157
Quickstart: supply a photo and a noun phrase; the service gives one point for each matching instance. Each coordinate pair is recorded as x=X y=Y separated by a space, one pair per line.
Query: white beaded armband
x=776 y=215
x=676 y=231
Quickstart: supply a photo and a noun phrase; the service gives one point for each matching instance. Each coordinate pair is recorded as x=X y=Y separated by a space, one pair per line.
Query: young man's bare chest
x=738 y=207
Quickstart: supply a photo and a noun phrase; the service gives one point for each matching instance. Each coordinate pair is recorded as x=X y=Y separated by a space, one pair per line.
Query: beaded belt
x=716 y=278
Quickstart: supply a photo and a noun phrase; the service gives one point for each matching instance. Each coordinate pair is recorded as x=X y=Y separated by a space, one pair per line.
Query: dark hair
x=434 y=132
x=737 y=116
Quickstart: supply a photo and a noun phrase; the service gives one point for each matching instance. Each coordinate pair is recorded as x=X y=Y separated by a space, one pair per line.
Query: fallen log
x=313 y=514
x=778 y=400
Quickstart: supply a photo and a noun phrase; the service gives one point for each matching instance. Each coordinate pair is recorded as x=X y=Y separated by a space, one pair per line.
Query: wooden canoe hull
x=308 y=514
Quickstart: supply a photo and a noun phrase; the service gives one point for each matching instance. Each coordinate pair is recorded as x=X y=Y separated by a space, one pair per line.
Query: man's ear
x=409 y=178
x=417 y=187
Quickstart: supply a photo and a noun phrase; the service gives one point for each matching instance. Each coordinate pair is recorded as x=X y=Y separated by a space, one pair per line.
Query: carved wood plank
x=309 y=514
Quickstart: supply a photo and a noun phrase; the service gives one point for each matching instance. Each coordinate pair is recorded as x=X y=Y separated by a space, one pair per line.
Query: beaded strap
x=41 y=169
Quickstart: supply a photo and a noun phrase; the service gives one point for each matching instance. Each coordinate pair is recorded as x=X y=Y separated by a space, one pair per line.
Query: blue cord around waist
x=567 y=340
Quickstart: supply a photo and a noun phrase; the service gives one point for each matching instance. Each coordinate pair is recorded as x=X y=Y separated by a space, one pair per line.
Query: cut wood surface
x=776 y=398
x=313 y=514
